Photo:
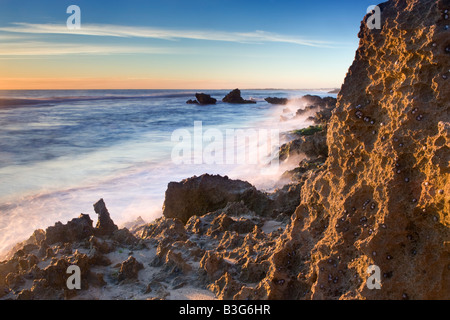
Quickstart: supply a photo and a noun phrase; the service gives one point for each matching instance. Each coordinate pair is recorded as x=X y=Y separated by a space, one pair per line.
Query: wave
x=23 y=102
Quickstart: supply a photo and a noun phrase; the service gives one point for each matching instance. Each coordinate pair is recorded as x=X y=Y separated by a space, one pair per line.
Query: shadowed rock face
x=235 y=97
x=279 y=101
x=203 y=98
x=200 y=195
x=105 y=226
x=75 y=230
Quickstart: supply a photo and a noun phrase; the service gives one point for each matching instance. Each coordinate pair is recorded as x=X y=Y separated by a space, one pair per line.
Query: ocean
x=61 y=151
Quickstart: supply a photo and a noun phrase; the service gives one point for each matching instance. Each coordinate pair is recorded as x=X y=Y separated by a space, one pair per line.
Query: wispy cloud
x=49 y=48
x=166 y=34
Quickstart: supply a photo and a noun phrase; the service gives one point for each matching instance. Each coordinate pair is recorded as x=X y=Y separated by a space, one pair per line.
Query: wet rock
x=279 y=101
x=313 y=146
x=203 y=98
x=332 y=238
x=235 y=97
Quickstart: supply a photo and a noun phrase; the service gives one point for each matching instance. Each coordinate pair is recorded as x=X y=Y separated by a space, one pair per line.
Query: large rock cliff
x=384 y=198
x=381 y=198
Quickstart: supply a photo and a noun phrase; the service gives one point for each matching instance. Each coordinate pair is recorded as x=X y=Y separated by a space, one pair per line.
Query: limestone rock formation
x=75 y=230
x=129 y=269
x=312 y=146
x=105 y=225
x=199 y=195
x=384 y=198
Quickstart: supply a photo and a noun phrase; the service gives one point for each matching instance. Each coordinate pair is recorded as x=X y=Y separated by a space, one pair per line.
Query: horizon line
x=305 y=89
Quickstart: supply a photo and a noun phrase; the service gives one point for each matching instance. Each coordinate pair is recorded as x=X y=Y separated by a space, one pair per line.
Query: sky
x=172 y=44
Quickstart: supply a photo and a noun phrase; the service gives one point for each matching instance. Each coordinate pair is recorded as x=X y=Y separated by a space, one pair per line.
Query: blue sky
x=178 y=44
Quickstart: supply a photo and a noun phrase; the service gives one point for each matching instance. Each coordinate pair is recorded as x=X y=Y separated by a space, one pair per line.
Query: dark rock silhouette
x=235 y=97
x=280 y=101
x=75 y=230
x=105 y=225
x=203 y=99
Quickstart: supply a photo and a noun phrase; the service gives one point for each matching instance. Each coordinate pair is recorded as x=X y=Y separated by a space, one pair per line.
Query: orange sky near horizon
x=143 y=83
x=100 y=83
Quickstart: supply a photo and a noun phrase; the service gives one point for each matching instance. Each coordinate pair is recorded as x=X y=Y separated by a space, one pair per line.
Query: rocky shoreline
x=215 y=233
x=372 y=190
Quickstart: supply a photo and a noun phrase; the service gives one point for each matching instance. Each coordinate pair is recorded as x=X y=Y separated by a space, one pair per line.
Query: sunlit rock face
x=384 y=199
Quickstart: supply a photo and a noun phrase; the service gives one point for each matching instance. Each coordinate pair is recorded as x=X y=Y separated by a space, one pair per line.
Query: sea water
x=61 y=151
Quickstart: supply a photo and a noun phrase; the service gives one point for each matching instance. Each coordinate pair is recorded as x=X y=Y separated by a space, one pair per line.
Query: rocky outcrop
x=312 y=146
x=235 y=97
x=279 y=101
x=202 y=98
x=200 y=195
x=129 y=269
x=75 y=230
x=44 y=258
x=383 y=199
x=105 y=225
